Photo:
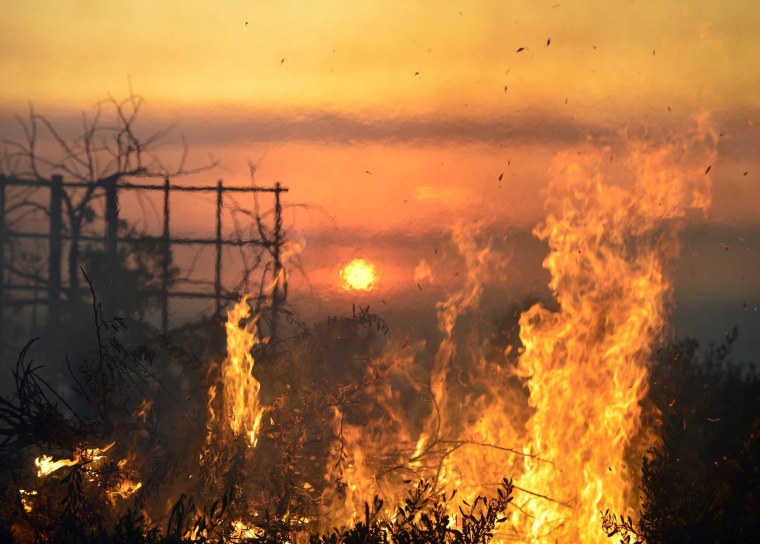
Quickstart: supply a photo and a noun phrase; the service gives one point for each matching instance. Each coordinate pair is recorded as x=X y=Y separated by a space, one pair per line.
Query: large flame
x=587 y=364
x=612 y=230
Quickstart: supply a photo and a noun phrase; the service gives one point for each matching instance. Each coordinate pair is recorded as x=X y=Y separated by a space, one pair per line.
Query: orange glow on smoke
x=359 y=275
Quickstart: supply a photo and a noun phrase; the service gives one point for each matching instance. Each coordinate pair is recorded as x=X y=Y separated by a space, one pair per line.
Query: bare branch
x=109 y=148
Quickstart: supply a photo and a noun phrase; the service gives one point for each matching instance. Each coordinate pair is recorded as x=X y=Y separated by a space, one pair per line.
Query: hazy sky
x=470 y=84
x=387 y=58
x=397 y=114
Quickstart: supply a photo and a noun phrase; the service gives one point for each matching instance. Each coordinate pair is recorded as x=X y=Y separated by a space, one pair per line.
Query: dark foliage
x=701 y=483
x=117 y=396
x=423 y=519
x=120 y=392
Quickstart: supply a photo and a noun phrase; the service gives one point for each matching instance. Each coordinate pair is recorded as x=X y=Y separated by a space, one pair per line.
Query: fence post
x=218 y=264
x=54 y=257
x=166 y=259
x=278 y=291
x=2 y=257
x=112 y=223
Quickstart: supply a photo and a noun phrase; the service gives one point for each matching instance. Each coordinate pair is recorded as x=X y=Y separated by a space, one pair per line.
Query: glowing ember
x=126 y=489
x=241 y=389
x=26 y=499
x=142 y=411
x=241 y=530
x=359 y=275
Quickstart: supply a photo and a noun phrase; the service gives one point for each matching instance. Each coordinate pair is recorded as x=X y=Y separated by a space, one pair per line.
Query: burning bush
x=265 y=464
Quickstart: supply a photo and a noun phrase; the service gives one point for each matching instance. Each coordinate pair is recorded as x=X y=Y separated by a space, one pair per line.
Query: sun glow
x=359 y=275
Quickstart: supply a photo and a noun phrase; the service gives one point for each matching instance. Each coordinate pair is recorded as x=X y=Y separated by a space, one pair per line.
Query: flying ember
x=359 y=275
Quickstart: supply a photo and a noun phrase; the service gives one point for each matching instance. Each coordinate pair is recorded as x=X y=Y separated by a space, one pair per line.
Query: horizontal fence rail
x=143 y=239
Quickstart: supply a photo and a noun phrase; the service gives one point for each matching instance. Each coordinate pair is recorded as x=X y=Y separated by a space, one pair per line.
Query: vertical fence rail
x=165 y=260
x=2 y=255
x=54 y=260
x=278 y=294
x=112 y=223
x=218 y=262
x=2 y=238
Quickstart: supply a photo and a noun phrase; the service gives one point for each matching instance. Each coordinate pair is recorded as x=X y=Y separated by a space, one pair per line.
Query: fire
x=242 y=530
x=26 y=499
x=587 y=364
x=45 y=464
x=359 y=275
x=126 y=489
x=454 y=413
x=612 y=237
x=142 y=411
x=241 y=389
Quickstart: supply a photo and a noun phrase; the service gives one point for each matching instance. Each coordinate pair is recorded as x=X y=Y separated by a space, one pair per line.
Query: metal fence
x=14 y=292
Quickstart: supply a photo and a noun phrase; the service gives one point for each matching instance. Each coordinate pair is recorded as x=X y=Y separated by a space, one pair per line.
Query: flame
x=276 y=288
x=126 y=489
x=210 y=404
x=241 y=389
x=242 y=530
x=45 y=464
x=26 y=499
x=476 y=264
x=612 y=236
x=359 y=275
x=458 y=418
x=587 y=364
x=142 y=412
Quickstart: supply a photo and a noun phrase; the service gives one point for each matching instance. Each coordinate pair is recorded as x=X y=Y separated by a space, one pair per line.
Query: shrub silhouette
x=701 y=483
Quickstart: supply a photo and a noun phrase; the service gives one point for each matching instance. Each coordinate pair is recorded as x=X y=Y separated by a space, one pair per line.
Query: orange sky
x=388 y=115
x=443 y=82
x=609 y=57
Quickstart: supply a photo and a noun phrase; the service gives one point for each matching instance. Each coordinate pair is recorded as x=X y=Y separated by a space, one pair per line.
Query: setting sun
x=359 y=275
